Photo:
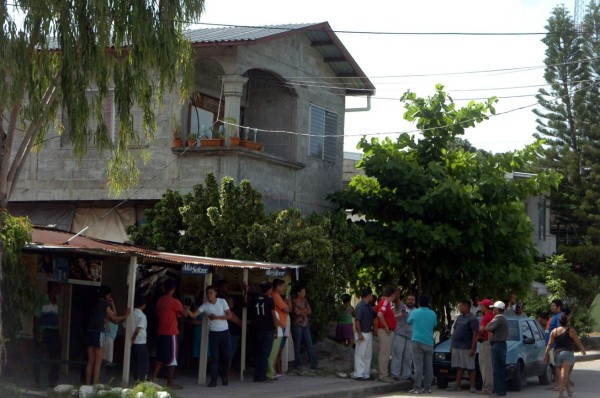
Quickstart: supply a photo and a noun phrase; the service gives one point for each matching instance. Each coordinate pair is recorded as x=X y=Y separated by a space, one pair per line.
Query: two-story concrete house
x=282 y=86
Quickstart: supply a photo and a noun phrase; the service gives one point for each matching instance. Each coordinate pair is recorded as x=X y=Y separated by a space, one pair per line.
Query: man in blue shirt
x=556 y=310
x=423 y=321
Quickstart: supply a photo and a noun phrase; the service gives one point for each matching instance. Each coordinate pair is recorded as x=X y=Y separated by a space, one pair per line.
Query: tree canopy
x=441 y=213
x=60 y=60
x=228 y=221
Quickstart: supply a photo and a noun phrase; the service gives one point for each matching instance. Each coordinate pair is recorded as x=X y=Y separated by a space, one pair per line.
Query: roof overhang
x=46 y=239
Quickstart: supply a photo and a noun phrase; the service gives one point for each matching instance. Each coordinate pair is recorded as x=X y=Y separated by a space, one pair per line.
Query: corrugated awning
x=45 y=239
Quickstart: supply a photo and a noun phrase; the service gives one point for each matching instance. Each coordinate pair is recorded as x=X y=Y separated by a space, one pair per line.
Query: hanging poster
x=85 y=271
x=52 y=269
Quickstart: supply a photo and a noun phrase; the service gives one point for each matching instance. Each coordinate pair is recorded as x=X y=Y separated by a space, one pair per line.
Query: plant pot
x=177 y=142
x=234 y=141
x=251 y=145
x=212 y=142
x=191 y=142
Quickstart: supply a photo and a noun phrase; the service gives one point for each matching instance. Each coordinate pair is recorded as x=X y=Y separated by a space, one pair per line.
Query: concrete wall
x=285 y=173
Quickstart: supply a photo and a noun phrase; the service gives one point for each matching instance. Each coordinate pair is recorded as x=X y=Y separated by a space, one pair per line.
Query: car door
x=529 y=347
x=540 y=346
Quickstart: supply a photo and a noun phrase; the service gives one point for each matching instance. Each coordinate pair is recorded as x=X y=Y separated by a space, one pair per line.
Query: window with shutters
x=323 y=134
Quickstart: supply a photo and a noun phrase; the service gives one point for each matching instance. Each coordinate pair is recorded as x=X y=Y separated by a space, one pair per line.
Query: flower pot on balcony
x=177 y=142
x=234 y=141
x=251 y=145
x=206 y=142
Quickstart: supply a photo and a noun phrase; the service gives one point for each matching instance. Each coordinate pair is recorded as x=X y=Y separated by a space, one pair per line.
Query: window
x=323 y=134
x=108 y=113
x=537 y=332
x=202 y=114
x=542 y=218
x=525 y=331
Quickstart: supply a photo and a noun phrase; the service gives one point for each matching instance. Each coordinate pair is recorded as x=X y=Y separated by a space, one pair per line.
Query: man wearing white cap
x=498 y=335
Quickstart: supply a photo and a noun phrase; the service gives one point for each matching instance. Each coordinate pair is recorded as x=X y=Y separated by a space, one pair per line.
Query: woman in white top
x=218 y=313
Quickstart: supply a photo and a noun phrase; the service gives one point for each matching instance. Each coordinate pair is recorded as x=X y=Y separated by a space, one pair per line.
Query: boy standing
x=140 y=362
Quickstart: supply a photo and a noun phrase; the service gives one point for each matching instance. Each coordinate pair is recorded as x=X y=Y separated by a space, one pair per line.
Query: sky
x=388 y=59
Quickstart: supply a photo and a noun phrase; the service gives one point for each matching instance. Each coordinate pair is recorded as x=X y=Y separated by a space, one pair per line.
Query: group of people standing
x=405 y=335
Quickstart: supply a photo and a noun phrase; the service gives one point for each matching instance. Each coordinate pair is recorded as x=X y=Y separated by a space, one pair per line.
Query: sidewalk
x=293 y=387
x=590 y=356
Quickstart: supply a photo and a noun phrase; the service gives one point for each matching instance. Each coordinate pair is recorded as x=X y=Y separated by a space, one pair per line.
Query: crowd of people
x=402 y=323
x=405 y=333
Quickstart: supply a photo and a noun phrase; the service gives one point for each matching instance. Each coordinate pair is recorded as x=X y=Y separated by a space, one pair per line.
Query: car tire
x=546 y=376
x=442 y=383
x=516 y=383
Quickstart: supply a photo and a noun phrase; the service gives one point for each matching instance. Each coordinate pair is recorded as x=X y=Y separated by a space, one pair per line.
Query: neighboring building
x=537 y=207
x=288 y=83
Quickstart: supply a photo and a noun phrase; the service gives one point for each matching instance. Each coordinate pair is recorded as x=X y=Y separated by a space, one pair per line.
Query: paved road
x=586 y=377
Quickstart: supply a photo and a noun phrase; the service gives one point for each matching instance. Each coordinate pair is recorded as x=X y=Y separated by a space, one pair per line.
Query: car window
x=537 y=331
x=526 y=331
x=514 y=334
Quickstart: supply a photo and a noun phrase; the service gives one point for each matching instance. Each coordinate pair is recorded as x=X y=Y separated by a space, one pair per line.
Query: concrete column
x=232 y=91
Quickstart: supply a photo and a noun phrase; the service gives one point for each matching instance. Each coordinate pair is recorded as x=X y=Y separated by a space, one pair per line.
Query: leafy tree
x=229 y=221
x=563 y=282
x=17 y=284
x=440 y=213
x=570 y=123
x=137 y=48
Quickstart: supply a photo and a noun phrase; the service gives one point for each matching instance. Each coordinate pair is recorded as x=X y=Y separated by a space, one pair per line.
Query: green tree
x=229 y=221
x=563 y=282
x=53 y=52
x=569 y=122
x=442 y=214
x=17 y=284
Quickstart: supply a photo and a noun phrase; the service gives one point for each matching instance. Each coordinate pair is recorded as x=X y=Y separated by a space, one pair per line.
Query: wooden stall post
x=131 y=276
x=204 y=339
x=244 y=330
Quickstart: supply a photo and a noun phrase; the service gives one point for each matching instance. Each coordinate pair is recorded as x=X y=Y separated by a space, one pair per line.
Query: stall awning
x=46 y=239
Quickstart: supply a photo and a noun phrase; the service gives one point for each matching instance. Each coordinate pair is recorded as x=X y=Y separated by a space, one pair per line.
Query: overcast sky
x=387 y=59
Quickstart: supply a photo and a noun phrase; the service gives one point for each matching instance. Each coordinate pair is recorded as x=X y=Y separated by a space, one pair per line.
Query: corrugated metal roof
x=45 y=239
x=240 y=33
x=321 y=36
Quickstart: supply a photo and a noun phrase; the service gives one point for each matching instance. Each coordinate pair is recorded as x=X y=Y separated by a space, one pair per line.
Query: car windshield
x=513 y=330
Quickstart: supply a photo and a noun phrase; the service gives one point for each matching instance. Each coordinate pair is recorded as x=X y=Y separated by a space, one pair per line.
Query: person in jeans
x=498 y=336
x=423 y=321
x=485 y=349
x=363 y=349
x=218 y=313
x=402 y=356
x=301 y=329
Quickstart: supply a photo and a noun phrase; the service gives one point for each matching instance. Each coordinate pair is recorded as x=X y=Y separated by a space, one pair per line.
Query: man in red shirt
x=386 y=325
x=168 y=310
x=485 y=350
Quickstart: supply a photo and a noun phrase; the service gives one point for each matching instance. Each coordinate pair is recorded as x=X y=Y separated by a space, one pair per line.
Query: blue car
x=524 y=357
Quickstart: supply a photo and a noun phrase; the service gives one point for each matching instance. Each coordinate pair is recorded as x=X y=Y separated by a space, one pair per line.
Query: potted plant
x=177 y=141
x=250 y=140
x=191 y=139
x=216 y=140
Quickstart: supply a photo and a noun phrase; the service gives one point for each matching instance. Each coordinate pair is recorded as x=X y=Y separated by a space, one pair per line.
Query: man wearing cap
x=499 y=334
x=485 y=350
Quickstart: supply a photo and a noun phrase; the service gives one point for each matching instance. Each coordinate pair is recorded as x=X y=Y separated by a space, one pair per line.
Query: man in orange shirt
x=168 y=309
x=282 y=309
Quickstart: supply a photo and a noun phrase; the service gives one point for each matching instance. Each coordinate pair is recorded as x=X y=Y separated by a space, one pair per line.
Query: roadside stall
x=81 y=264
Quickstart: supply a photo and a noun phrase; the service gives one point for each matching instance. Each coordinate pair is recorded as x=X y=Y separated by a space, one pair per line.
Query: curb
x=367 y=391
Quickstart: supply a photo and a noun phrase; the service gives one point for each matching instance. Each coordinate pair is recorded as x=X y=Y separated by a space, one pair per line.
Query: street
x=585 y=376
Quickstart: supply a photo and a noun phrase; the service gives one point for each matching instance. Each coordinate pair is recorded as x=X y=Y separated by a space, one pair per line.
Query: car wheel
x=517 y=381
x=546 y=376
x=442 y=383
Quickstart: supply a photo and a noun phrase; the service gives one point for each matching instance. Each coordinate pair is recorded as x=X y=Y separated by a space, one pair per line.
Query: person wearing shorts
x=95 y=339
x=168 y=310
x=563 y=339
x=464 y=344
